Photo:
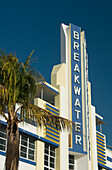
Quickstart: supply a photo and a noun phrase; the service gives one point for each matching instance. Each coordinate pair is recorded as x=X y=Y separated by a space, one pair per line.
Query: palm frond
x=3 y=114
x=27 y=60
x=43 y=117
x=3 y=93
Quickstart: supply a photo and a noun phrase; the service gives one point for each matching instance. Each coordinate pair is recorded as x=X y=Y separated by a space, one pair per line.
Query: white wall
x=25 y=166
x=94 y=163
x=81 y=164
x=58 y=79
x=2 y=162
x=63 y=134
x=109 y=154
x=40 y=155
x=22 y=165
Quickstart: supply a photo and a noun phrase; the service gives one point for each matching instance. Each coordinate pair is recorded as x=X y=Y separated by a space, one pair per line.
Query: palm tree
x=17 y=86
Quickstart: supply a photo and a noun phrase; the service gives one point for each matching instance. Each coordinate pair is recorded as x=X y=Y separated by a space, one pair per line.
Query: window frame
x=30 y=147
x=27 y=147
x=72 y=164
x=4 y=139
x=50 y=156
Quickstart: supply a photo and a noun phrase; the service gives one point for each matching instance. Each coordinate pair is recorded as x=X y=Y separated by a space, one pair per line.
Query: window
x=27 y=147
x=3 y=139
x=49 y=157
x=71 y=162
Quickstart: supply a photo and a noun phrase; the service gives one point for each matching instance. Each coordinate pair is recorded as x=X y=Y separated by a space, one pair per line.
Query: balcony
x=49 y=132
x=46 y=92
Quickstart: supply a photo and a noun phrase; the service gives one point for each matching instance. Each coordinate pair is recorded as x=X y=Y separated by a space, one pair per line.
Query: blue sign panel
x=77 y=133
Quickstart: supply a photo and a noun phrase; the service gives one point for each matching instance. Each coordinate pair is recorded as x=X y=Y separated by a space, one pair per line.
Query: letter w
x=77 y=90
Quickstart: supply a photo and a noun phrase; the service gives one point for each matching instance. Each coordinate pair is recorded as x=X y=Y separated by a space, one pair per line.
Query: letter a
x=77 y=103
x=77 y=68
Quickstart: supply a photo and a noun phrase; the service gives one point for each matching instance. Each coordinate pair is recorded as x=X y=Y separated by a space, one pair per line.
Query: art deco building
x=69 y=95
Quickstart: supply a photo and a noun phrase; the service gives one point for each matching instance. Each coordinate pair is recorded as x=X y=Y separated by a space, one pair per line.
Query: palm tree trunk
x=12 y=153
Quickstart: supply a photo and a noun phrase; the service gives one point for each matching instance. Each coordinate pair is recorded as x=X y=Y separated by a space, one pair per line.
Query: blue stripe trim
x=52 y=107
x=52 y=126
x=104 y=166
x=52 y=111
x=27 y=161
x=99 y=137
x=34 y=123
x=100 y=150
x=109 y=159
x=101 y=158
x=101 y=154
x=104 y=162
x=3 y=123
x=50 y=88
x=52 y=138
x=21 y=159
x=52 y=134
x=52 y=130
x=100 y=140
x=101 y=147
x=99 y=134
x=2 y=153
x=84 y=152
x=36 y=137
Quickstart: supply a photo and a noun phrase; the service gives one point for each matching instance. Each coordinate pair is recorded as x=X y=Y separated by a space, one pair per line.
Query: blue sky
x=26 y=25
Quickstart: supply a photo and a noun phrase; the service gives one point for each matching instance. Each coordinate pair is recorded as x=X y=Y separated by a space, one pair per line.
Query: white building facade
x=82 y=147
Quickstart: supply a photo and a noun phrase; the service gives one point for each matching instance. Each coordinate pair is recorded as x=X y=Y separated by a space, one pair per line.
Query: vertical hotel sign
x=76 y=88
